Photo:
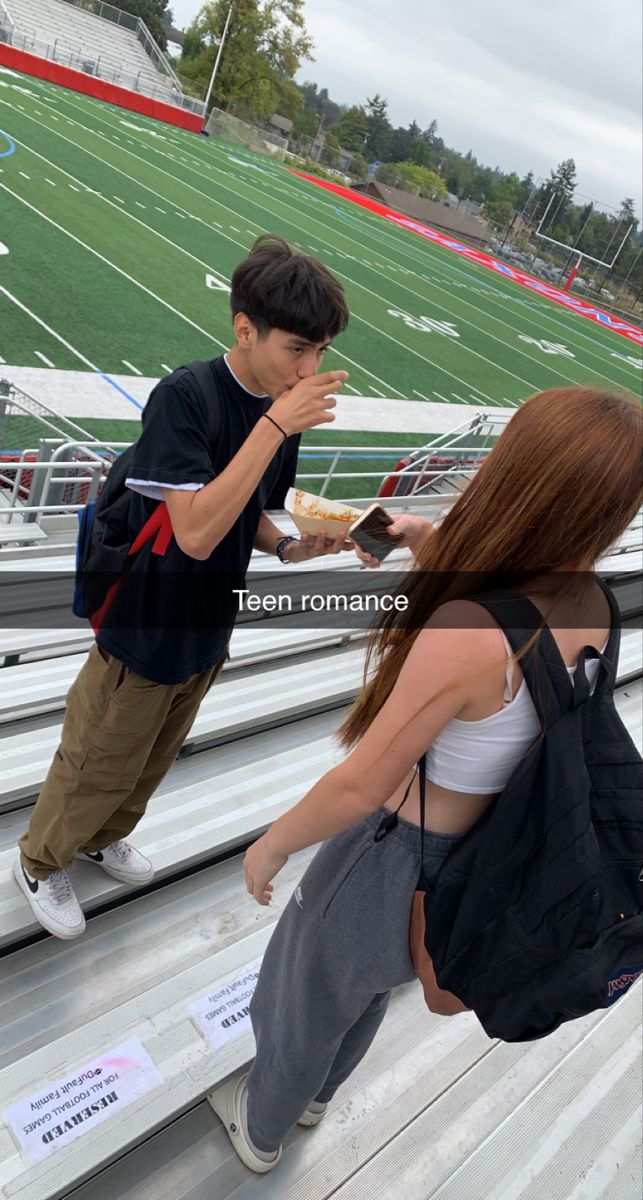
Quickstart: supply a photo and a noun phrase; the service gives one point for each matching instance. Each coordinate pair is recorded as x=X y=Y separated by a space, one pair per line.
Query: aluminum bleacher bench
x=16 y=534
x=17 y=644
x=41 y=687
x=241 y=703
x=433 y=1101
x=198 y=812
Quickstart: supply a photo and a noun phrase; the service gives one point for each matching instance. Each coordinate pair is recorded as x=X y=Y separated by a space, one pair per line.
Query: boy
x=166 y=639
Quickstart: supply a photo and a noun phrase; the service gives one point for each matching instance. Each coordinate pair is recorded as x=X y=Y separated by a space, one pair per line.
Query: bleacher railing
x=6 y=20
x=102 y=67
x=60 y=477
x=109 y=12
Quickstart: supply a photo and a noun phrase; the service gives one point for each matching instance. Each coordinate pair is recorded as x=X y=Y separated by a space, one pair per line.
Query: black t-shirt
x=173 y=616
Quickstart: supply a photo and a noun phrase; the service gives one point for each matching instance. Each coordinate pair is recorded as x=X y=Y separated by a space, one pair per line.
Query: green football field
x=118 y=236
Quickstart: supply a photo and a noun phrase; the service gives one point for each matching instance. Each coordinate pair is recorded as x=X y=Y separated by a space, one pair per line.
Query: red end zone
x=89 y=85
x=624 y=328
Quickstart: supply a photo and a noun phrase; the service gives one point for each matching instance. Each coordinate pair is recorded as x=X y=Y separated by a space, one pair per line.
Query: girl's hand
x=415 y=530
x=260 y=865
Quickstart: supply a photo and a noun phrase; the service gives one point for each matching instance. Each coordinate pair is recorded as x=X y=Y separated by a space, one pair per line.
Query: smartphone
x=369 y=532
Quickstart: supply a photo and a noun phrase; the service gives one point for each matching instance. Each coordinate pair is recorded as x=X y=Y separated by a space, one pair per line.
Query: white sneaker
x=52 y=901
x=230 y=1103
x=122 y=862
x=313 y=1114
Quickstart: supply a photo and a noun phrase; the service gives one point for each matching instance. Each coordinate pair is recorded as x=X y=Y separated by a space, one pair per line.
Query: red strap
x=159 y=527
x=159 y=523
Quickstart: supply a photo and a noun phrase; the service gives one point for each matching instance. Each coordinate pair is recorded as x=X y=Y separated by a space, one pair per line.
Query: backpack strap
x=542 y=666
x=608 y=658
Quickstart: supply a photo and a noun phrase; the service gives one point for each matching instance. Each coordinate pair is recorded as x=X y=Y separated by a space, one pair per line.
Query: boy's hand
x=308 y=403
x=311 y=546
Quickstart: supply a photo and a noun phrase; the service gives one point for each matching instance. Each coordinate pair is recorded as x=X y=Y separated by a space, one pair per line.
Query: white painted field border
x=388 y=387
x=119 y=270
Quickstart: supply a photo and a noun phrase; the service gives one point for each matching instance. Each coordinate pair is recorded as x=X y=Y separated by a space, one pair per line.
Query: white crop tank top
x=479 y=756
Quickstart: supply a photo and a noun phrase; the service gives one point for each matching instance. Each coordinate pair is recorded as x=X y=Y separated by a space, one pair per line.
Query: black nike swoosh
x=32 y=884
x=97 y=857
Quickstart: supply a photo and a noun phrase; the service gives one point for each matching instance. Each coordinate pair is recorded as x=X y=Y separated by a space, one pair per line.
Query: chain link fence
x=246 y=136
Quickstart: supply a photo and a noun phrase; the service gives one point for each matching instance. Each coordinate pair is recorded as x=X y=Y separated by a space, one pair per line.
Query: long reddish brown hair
x=561 y=484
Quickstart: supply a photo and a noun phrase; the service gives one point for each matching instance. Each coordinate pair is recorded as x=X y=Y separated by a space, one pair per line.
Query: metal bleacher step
x=425 y=1102
x=207 y=806
x=242 y=702
x=38 y=644
x=41 y=687
x=194 y=818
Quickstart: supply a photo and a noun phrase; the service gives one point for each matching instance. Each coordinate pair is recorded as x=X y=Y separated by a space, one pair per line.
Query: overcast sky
x=523 y=85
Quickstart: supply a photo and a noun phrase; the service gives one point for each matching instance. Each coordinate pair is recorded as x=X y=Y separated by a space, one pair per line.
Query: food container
x=311 y=513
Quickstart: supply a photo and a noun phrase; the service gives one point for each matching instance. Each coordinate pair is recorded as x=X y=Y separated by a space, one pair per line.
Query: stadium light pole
x=217 y=61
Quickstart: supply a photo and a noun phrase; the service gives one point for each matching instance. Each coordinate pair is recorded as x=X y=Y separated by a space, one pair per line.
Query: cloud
x=521 y=88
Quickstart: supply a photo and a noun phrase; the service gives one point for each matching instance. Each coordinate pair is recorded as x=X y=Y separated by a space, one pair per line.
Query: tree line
x=266 y=45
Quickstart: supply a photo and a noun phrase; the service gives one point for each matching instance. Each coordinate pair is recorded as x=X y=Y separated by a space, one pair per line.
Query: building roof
x=281 y=123
x=433 y=212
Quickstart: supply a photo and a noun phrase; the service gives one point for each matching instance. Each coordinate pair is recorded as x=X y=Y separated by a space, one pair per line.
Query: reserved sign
x=65 y=1109
x=224 y=1014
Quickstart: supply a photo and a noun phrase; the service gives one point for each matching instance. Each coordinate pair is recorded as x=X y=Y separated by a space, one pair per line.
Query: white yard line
x=43 y=324
x=494 y=294
x=43 y=357
x=131 y=216
x=119 y=270
x=133 y=369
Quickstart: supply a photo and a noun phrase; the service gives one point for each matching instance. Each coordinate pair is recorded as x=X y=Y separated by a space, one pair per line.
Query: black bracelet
x=281 y=546
x=273 y=422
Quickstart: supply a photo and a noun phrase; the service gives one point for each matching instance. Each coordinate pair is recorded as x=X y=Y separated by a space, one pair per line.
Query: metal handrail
x=135 y=25
x=8 y=18
x=154 y=52
x=162 y=90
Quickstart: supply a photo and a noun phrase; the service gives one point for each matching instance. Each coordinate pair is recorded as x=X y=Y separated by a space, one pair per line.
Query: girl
x=561 y=485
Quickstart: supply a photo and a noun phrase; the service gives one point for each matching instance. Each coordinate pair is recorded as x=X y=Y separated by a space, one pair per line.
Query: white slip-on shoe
x=313 y=1114
x=230 y=1104
x=122 y=861
x=52 y=902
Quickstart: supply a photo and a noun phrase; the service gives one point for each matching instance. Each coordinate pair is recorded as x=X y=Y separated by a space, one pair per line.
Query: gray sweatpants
x=340 y=946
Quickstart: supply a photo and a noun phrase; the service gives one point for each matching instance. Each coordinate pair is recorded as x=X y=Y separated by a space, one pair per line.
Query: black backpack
x=535 y=917
x=103 y=553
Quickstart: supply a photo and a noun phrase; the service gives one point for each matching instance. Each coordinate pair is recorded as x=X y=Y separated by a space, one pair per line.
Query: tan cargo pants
x=120 y=736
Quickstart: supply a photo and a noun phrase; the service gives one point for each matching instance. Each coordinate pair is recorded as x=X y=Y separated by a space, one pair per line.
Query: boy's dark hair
x=280 y=289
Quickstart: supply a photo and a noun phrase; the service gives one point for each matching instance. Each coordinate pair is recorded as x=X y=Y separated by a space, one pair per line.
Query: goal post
x=574 y=251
